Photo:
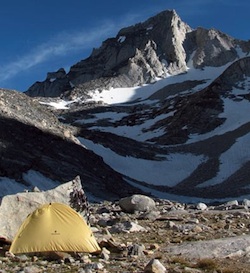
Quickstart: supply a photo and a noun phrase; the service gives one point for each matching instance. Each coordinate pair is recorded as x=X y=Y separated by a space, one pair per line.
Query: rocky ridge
x=139 y=54
x=34 y=141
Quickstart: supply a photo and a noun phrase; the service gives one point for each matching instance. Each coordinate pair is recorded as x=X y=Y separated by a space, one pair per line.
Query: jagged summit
x=167 y=31
x=142 y=53
x=137 y=55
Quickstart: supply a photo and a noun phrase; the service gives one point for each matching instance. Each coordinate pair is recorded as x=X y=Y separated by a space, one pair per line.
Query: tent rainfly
x=54 y=227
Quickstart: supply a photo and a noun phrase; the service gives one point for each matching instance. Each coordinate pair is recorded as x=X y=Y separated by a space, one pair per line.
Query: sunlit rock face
x=140 y=54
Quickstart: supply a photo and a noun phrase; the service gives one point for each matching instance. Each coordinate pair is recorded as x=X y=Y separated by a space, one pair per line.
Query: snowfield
x=174 y=167
x=168 y=172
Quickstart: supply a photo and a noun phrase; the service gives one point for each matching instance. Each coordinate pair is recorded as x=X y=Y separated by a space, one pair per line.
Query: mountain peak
x=140 y=54
x=183 y=128
x=166 y=19
x=137 y=55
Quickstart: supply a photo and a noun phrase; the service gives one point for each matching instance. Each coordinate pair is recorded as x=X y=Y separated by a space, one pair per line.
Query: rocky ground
x=144 y=235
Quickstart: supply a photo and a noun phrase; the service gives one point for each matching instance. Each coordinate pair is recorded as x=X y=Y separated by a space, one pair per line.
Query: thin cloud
x=65 y=44
x=68 y=43
x=62 y=44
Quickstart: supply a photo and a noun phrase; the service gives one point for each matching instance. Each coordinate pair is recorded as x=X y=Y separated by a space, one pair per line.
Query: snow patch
x=36 y=179
x=121 y=39
x=168 y=172
x=231 y=161
x=10 y=186
x=32 y=178
x=150 y=28
x=236 y=114
x=182 y=198
x=125 y=95
x=111 y=116
x=60 y=104
x=137 y=132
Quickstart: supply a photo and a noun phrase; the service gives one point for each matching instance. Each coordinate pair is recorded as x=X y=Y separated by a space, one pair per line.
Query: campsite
x=54 y=227
x=134 y=234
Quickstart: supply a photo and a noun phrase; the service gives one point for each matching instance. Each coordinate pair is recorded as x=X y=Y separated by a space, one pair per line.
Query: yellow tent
x=54 y=227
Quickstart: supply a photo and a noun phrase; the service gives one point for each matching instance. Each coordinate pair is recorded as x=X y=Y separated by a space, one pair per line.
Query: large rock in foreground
x=137 y=202
x=15 y=208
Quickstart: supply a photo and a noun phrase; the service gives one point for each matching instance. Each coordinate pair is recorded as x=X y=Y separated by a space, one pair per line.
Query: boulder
x=201 y=206
x=136 y=250
x=137 y=202
x=126 y=227
x=246 y=203
x=15 y=208
x=154 y=266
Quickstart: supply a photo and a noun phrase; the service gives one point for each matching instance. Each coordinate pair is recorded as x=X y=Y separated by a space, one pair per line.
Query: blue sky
x=42 y=36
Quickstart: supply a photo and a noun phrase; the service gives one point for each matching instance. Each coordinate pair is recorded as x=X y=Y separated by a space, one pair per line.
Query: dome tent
x=54 y=227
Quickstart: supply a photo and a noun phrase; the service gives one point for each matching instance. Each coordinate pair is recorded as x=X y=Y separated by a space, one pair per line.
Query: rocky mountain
x=160 y=108
x=35 y=146
x=140 y=54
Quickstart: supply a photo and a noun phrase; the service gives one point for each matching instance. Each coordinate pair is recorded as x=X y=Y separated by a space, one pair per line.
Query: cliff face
x=213 y=48
x=139 y=54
